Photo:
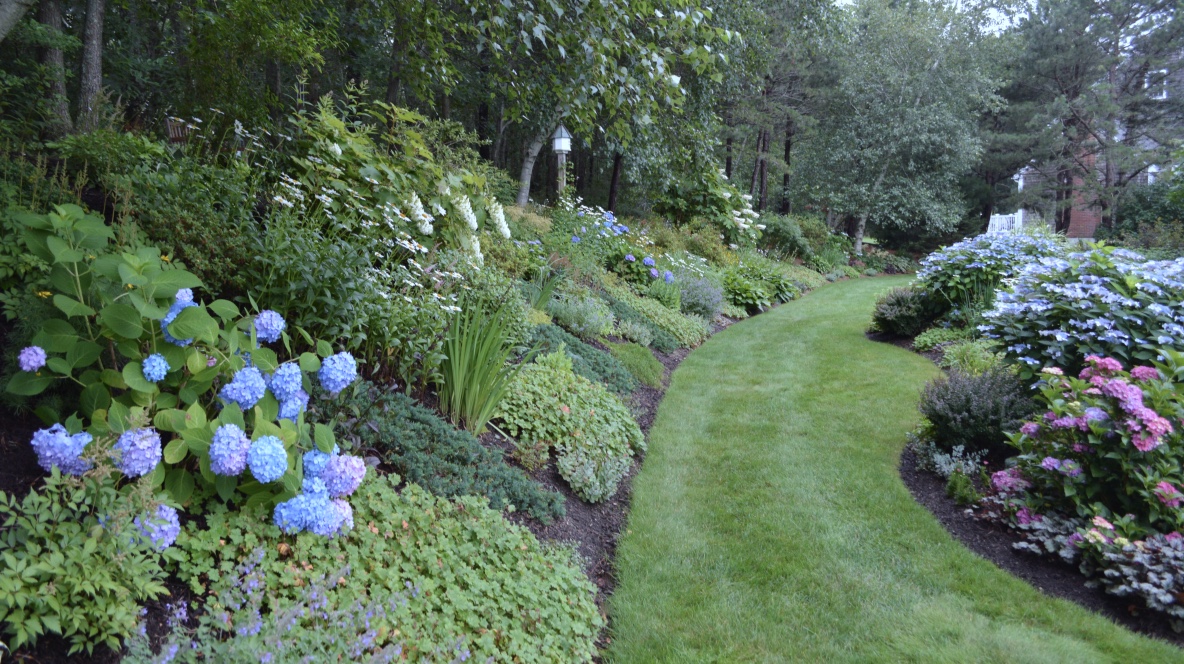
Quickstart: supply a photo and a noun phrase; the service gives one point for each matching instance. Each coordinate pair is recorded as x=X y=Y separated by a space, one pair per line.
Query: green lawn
x=769 y=523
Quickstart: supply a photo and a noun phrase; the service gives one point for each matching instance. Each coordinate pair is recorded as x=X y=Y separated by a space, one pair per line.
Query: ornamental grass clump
x=1106 y=445
x=475 y=374
x=1103 y=301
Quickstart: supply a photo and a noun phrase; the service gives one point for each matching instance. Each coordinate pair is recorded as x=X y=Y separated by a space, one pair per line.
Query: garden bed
x=1051 y=577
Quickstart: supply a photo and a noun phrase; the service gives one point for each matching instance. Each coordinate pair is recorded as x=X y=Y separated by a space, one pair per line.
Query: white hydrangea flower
x=498 y=214
x=465 y=208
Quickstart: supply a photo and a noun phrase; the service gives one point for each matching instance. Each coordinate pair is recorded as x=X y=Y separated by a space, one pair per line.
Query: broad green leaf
x=309 y=363
x=117 y=417
x=226 y=486
x=194 y=323
x=323 y=435
x=323 y=348
x=113 y=378
x=29 y=384
x=179 y=484
x=59 y=365
x=133 y=375
x=171 y=419
x=83 y=354
x=175 y=451
x=61 y=250
x=224 y=309
x=71 y=307
x=56 y=336
x=122 y=320
x=94 y=397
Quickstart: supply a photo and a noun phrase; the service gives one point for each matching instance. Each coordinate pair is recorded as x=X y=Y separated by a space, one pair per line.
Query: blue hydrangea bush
x=186 y=394
x=1103 y=301
x=966 y=274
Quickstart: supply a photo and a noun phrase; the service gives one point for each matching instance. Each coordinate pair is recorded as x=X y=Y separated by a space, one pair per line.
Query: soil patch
x=1050 y=576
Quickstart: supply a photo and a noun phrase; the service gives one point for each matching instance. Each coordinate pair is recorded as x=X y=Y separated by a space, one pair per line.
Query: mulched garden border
x=990 y=540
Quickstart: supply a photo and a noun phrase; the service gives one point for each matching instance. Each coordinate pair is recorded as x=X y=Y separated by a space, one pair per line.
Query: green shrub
x=971 y=357
x=783 y=238
x=744 y=292
x=587 y=361
x=688 y=331
x=961 y=488
x=594 y=434
x=474 y=374
x=470 y=572
x=904 y=312
x=668 y=294
x=449 y=462
x=201 y=211
x=635 y=332
x=936 y=336
x=73 y=565
x=700 y=296
x=660 y=340
x=976 y=411
x=734 y=312
x=641 y=363
x=583 y=315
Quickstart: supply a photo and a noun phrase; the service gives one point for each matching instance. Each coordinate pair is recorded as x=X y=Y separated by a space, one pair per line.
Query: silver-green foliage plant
x=972 y=357
x=452 y=568
x=593 y=433
x=584 y=315
x=936 y=336
x=635 y=332
x=474 y=375
x=73 y=563
x=686 y=330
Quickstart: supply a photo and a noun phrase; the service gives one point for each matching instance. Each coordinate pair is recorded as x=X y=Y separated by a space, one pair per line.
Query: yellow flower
x=44 y=294
x=165 y=258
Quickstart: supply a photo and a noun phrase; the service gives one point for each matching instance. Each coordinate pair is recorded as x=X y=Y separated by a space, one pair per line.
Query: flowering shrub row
x=967 y=273
x=1104 y=301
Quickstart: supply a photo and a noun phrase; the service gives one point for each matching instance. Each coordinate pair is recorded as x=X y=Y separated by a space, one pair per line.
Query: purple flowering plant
x=1107 y=443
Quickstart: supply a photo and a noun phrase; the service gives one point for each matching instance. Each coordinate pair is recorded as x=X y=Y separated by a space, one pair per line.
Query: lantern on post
x=561 y=144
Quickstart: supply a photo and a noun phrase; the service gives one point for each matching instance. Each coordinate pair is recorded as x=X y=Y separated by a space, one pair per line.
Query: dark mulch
x=1050 y=576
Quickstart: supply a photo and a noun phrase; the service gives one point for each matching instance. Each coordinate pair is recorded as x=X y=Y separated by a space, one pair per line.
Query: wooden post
x=562 y=161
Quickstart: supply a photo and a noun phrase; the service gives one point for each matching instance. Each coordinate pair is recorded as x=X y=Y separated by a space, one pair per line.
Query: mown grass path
x=769 y=523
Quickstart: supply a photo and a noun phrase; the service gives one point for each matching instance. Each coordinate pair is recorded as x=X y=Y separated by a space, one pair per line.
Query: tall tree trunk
x=59 y=103
x=785 y=207
x=11 y=12
x=764 y=197
x=756 y=164
x=393 y=76
x=532 y=155
x=728 y=145
x=614 y=185
x=861 y=228
x=482 y=124
x=91 y=82
x=446 y=107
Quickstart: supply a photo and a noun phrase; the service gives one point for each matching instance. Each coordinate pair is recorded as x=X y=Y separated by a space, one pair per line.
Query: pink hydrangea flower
x=1144 y=373
x=1102 y=523
x=1030 y=429
x=1052 y=371
x=1168 y=494
x=1024 y=516
x=1008 y=481
x=1173 y=536
x=1075 y=540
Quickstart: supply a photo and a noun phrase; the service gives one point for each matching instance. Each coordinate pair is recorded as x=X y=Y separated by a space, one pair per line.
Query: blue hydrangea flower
x=246 y=389
x=155 y=368
x=159 y=529
x=289 y=515
x=610 y=216
x=32 y=358
x=314 y=487
x=346 y=512
x=56 y=447
x=139 y=451
x=630 y=258
x=323 y=517
x=228 y=451
x=337 y=372
x=269 y=325
x=316 y=460
x=575 y=239
x=268 y=459
x=286 y=381
x=668 y=276
x=654 y=272
x=184 y=301
x=290 y=409
x=648 y=261
x=343 y=474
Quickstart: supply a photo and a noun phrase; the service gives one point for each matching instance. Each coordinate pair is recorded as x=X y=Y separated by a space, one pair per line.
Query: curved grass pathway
x=769 y=523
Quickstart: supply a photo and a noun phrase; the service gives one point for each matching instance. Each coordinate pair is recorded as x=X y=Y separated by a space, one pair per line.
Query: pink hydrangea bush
x=1108 y=443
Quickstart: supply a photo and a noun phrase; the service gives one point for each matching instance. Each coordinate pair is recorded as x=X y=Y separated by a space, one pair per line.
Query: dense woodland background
x=907 y=117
